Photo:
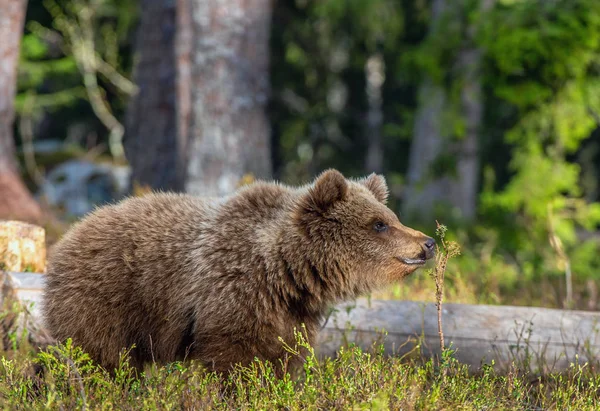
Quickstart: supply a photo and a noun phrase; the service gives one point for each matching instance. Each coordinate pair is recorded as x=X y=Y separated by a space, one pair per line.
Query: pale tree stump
x=22 y=264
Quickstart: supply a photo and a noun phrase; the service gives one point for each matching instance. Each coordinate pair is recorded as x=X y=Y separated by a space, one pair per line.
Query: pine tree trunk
x=152 y=145
x=229 y=134
x=183 y=51
x=423 y=191
x=375 y=75
x=458 y=190
x=17 y=203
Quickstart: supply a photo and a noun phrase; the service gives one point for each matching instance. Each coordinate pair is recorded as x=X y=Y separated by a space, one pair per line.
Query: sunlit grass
x=356 y=379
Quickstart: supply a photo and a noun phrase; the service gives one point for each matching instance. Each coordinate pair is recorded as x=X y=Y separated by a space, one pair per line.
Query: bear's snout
x=429 y=248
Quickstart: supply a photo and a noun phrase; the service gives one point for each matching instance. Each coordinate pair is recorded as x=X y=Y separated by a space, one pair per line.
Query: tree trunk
x=229 y=135
x=152 y=144
x=198 y=122
x=463 y=191
x=457 y=189
x=184 y=44
x=375 y=76
x=17 y=203
x=422 y=190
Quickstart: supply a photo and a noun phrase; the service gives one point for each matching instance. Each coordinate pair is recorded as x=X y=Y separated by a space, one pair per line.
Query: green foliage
x=543 y=59
x=436 y=54
x=58 y=76
x=374 y=22
x=319 y=53
x=541 y=46
x=356 y=379
x=50 y=79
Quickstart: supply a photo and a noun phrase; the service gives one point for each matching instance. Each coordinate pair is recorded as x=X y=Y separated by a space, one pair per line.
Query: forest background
x=481 y=114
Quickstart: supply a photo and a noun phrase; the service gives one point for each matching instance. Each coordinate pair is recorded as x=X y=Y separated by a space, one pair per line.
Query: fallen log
x=26 y=288
x=541 y=339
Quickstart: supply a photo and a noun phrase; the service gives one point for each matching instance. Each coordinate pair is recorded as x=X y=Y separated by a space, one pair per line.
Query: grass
x=356 y=379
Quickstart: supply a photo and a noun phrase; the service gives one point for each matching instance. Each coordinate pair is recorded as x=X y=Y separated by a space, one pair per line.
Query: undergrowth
x=356 y=379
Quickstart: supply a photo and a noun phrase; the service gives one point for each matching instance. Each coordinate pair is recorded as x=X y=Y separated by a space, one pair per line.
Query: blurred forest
x=482 y=114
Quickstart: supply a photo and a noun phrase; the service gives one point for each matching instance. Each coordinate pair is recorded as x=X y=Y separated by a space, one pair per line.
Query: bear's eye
x=380 y=226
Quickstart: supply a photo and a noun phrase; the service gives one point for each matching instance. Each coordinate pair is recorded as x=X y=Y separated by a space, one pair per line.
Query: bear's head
x=355 y=236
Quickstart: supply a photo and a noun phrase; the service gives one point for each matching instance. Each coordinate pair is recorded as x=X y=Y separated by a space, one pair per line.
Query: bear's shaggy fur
x=220 y=279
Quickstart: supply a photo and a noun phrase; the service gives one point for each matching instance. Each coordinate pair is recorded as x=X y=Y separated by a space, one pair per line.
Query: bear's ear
x=376 y=185
x=330 y=187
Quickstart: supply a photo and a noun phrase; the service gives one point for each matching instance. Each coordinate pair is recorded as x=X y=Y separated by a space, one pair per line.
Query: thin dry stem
x=441 y=262
x=439 y=294
x=558 y=247
x=443 y=254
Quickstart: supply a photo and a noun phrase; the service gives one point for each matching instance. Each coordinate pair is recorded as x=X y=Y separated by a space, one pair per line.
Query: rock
x=77 y=186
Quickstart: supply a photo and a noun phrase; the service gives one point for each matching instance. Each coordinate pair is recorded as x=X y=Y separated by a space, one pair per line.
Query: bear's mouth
x=420 y=260
x=412 y=261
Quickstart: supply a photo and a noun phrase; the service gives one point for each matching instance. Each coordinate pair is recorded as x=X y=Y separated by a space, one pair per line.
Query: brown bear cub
x=218 y=280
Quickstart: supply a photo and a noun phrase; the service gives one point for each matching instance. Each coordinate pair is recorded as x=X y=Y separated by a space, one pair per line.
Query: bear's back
x=135 y=234
x=119 y=272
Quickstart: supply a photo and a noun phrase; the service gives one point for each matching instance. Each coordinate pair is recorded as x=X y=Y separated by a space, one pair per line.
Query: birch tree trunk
x=229 y=134
x=17 y=203
x=459 y=189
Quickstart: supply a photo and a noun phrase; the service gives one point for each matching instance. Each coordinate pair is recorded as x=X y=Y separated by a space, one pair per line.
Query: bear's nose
x=429 y=247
